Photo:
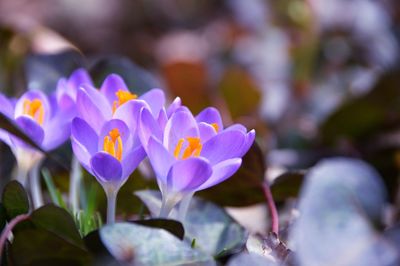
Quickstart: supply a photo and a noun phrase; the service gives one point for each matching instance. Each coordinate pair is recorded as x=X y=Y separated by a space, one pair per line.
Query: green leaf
x=3 y=217
x=15 y=200
x=59 y=222
x=88 y=222
x=55 y=194
x=214 y=230
x=244 y=188
x=133 y=243
x=44 y=70
x=136 y=78
x=41 y=247
x=287 y=185
x=172 y=226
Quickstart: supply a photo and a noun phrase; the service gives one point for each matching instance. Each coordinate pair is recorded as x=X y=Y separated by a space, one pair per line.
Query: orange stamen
x=34 y=109
x=123 y=97
x=178 y=148
x=193 y=148
x=112 y=144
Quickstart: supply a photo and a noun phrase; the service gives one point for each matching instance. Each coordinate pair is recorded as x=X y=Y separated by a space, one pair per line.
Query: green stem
x=111 y=204
x=36 y=191
x=75 y=181
x=21 y=175
x=166 y=207
x=184 y=206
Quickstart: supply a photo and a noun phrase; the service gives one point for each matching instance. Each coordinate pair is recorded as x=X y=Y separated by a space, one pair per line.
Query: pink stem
x=9 y=227
x=271 y=208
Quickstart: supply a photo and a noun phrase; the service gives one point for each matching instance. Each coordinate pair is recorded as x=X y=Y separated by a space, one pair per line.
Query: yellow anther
x=114 y=134
x=193 y=148
x=215 y=126
x=34 y=109
x=178 y=148
x=112 y=144
x=123 y=97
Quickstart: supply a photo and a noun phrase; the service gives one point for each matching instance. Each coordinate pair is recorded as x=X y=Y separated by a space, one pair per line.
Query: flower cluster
x=112 y=130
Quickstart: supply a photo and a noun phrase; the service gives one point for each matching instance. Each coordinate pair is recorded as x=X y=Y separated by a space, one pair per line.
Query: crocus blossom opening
x=34 y=109
x=113 y=144
x=190 y=153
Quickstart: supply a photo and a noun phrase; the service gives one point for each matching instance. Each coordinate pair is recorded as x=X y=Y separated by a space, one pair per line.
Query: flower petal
x=210 y=115
x=160 y=159
x=250 y=136
x=226 y=145
x=148 y=127
x=78 y=78
x=131 y=160
x=89 y=107
x=66 y=104
x=174 y=106
x=84 y=142
x=57 y=131
x=188 y=175
x=206 y=131
x=84 y=135
x=155 y=99
x=248 y=142
x=5 y=106
x=221 y=172
x=237 y=127
x=181 y=125
x=162 y=118
x=31 y=128
x=82 y=154
x=106 y=168
x=111 y=85
x=129 y=113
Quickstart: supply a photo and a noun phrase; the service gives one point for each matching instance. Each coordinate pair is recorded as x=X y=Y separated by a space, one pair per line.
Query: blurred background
x=314 y=78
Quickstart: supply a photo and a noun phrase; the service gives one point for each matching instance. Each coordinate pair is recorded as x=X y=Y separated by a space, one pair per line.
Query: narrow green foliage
x=87 y=222
x=55 y=194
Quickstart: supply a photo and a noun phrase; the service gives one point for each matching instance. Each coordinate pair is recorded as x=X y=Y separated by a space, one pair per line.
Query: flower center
x=112 y=144
x=193 y=148
x=123 y=97
x=34 y=109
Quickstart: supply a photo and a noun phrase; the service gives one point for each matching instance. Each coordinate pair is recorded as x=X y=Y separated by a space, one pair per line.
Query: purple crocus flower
x=104 y=135
x=67 y=88
x=192 y=153
x=110 y=101
x=46 y=120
